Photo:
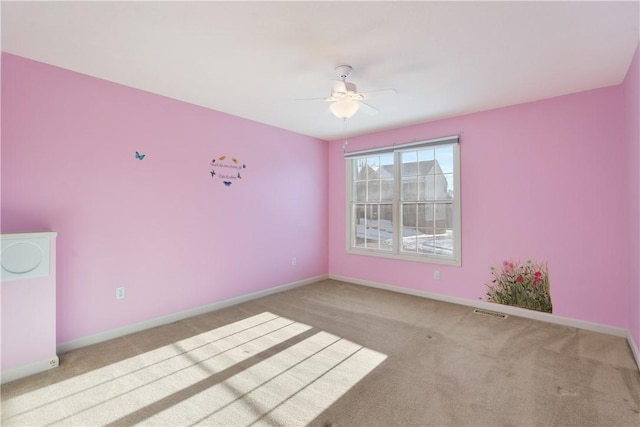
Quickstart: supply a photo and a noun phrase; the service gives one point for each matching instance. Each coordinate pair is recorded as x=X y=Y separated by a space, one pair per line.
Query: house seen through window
x=404 y=202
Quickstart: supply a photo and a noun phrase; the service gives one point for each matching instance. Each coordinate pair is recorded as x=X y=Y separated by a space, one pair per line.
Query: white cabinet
x=28 y=304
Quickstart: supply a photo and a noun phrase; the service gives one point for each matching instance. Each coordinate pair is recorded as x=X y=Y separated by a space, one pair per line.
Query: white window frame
x=397 y=253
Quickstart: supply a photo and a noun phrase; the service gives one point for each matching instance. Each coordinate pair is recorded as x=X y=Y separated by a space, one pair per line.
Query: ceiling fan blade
x=368 y=109
x=311 y=99
x=375 y=92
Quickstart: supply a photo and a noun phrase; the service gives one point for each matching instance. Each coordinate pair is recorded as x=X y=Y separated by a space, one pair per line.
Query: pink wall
x=543 y=180
x=163 y=227
x=631 y=87
x=546 y=180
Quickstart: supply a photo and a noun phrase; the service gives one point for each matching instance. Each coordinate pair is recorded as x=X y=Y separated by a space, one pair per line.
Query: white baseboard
x=36 y=367
x=634 y=348
x=515 y=311
x=163 y=320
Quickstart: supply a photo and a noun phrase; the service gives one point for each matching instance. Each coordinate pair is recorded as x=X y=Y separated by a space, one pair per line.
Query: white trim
x=634 y=348
x=32 y=368
x=514 y=311
x=429 y=259
x=28 y=235
x=348 y=182
x=170 y=318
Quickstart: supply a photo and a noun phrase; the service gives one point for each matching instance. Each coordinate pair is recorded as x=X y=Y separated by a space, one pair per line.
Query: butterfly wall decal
x=239 y=177
x=222 y=158
x=213 y=173
x=140 y=156
x=227 y=183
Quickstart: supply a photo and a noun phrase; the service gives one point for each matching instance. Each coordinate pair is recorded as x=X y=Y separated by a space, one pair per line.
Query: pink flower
x=508 y=266
x=519 y=279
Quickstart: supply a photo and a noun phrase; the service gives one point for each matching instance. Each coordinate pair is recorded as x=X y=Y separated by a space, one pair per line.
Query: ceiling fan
x=345 y=98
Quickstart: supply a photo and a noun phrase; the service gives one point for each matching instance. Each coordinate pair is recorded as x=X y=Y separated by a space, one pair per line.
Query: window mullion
x=397 y=204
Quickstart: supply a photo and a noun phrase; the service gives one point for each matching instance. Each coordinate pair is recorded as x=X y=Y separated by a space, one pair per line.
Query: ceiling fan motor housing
x=341 y=89
x=344 y=71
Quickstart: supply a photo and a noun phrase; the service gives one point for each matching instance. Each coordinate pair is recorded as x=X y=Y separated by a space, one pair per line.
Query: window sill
x=428 y=259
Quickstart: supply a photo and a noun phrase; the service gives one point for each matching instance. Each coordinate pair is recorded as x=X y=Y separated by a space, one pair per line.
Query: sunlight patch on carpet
x=290 y=388
x=109 y=393
x=173 y=385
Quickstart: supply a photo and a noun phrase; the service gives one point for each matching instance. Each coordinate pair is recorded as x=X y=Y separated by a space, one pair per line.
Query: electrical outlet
x=294 y=261
x=120 y=292
x=436 y=275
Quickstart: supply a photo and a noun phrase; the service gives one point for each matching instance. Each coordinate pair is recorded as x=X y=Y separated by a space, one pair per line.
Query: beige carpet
x=338 y=354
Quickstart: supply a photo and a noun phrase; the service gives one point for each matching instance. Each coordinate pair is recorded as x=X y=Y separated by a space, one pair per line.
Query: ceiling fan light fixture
x=344 y=108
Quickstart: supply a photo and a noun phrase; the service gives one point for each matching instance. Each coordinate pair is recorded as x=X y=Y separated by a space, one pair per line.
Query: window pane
x=360 y=169
x=386 y=217
x=443 y=244
x=358 y=226
x=426 y=168
x=386 y=194
x=449 y=182
x=386 y=166
x=375 y=229
x=425 y=228
x=441 y=185
x=425 y=217
x=408 y=163
x=408 y=215
x=380 y=167
x=373 y=166
x=426 y=242
x=361 y=191
x=444 y=217
x=409 y=240
x=373 y=191
x=409 y=188
x=385 y=222
x=444 y=159
x=427 y=188
x=426 y=154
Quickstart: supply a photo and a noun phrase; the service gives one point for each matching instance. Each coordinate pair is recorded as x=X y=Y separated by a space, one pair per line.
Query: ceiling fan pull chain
x=344 y=131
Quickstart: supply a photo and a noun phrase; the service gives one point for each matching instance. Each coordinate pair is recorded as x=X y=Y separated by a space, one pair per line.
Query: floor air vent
x=490 y=313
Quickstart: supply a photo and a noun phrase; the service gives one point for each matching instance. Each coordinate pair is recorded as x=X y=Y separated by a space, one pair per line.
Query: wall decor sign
x=226 y=169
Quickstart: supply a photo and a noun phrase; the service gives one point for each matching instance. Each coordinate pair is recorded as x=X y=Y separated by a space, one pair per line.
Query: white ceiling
x=254 y=59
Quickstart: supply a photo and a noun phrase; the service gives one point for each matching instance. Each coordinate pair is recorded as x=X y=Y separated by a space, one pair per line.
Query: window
x=404 y=201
